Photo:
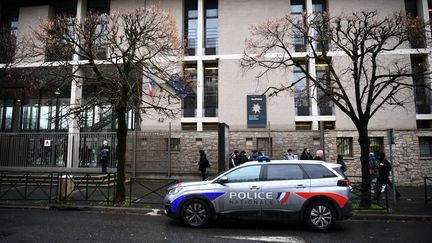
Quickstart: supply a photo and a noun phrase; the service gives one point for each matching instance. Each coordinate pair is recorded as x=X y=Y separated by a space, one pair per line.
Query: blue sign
x=256 y=111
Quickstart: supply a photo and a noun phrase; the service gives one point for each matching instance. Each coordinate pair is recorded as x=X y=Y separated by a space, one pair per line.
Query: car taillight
x=344 y=182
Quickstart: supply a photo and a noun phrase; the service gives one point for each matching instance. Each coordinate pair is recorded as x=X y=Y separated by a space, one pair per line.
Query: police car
x=314 y=192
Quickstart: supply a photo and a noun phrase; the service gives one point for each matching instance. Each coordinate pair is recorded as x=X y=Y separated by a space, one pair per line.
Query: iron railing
x=376 y=197
x=148 y=191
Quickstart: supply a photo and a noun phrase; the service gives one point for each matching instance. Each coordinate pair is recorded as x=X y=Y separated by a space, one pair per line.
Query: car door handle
x=254 y=188
x=300 y=186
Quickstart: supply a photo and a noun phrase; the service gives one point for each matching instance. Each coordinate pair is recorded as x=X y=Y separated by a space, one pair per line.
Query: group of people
x=379 y=171
x=237 y=158
x=319 y=155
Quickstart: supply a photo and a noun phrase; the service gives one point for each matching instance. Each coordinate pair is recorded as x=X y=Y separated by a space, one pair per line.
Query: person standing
x=289 y=155
x=203 y=164
x=319 y=155
x=384 y=169
x=232 y=159
x=340 y=161
x=373 y=171
x=306 y=155
x=104 y=155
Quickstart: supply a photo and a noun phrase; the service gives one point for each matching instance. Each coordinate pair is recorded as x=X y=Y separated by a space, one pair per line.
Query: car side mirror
x=223 y=180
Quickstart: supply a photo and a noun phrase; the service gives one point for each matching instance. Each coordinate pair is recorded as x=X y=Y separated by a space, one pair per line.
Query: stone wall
x=152 y=155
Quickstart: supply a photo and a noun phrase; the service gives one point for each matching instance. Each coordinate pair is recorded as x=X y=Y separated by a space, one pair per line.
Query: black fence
x=148 y=191
x=379 y=192
x=57 y=187
x=79 y=188
x=427 y=198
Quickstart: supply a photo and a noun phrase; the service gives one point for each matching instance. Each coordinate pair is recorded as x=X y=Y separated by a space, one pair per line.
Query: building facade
x=214 y=32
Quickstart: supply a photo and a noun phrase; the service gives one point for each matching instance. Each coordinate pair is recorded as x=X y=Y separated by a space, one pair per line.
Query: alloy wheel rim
x=195 y=214
x=321 y=216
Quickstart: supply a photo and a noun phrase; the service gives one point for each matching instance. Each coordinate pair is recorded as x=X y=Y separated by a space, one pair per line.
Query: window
x=284 y=172
x=344 y=146
x=298 y=40
x=191 y=25
x=318 y=171
x=425 y=146
x=175 y=144
x=210 y=90
x=264 y=145
x=325 y=105
x=211 y=27
x=245 y=174
x=422 y=93
x=376 y=144
x=189 y=103
x=302 y=96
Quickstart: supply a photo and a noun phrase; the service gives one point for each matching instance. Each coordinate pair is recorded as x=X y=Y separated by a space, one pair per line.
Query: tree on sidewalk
x=369 y=75
x=121 y=55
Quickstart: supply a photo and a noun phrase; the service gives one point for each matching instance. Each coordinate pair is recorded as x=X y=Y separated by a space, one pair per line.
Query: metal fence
x=148 y=191
x=51 y=149
x=379 y=192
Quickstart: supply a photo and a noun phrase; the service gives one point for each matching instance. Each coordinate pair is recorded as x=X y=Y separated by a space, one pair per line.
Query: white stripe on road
x=293 y=239
x=154 y=212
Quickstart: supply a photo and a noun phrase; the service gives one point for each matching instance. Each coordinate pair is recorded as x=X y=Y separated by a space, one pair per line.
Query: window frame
x=350 y=146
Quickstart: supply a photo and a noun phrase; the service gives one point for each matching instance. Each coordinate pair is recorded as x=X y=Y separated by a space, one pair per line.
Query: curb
x=396 y=217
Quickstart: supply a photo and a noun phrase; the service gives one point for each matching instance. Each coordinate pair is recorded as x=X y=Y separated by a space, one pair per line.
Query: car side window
x=245 y=174
x=318 y=171
x=284 y=172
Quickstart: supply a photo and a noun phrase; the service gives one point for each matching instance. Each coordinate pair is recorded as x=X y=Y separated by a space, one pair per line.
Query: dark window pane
x=284 y=172
x=425 y=146
x=318 y=171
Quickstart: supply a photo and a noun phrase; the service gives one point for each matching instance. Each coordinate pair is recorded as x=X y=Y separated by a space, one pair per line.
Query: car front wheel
x=196 y=213
x=320 y=216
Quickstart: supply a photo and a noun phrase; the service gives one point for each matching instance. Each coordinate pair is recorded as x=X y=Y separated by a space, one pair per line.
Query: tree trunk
x=121 y=154
x=364 y=142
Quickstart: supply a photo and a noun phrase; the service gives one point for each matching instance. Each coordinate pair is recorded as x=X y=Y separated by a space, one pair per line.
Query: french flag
x=283 y=197
x=150 y=84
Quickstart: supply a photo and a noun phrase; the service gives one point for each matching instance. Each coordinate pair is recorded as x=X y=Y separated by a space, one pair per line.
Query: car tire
x=320 y=216
x=196 y=213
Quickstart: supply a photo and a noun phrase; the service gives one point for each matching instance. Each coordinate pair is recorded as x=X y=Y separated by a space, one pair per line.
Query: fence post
x=25 y=185
x=386 y=198
x=130 y=192
x=87 y=185
x=425 y=190
x=109 y=185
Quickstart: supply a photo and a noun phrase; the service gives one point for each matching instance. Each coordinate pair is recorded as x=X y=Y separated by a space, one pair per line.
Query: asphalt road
x=32 y=225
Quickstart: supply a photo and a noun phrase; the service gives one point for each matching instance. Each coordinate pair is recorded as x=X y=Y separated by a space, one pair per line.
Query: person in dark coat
x=340 y=161
x=384 y=168
x=203 y=164
x=104 y=155
x=306 y=155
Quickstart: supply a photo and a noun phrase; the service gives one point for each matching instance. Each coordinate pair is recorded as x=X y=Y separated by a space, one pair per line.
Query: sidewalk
x=411 y=206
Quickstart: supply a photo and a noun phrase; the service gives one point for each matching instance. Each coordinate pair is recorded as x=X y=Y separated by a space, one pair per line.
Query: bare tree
x=119 y=54
x=368 y=79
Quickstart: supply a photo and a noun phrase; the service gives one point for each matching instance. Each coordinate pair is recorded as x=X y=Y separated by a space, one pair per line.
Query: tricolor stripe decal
x=283 y=197
x=209 y=195
x=341 y=200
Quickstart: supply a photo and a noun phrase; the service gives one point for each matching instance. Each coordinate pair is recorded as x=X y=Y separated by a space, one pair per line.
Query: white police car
x=313 y=192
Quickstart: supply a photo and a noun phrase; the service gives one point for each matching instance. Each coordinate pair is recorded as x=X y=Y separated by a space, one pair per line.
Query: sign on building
x=256 y=111
x=47 y=143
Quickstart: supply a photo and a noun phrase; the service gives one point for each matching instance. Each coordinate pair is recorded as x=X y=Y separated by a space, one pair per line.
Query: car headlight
x=175 y=190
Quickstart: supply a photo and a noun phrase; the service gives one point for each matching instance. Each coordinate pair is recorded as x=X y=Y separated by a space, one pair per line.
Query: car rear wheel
x=196 y=213
x=320 y=216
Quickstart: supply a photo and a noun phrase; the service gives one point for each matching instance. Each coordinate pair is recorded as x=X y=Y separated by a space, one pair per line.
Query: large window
x=189 y=103
x=297 y=9
x=210 y=90
x=302 y=97
x=325 y=105
x=425 y=146
x=421 y=92
x=6 y=112
x=318 y=171
x=264 y=145
x=191 y=25
x=344 y=146
x=211 y=27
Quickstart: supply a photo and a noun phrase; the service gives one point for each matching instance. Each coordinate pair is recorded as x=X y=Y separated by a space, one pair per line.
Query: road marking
x=154 y=212
x=293 y=239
